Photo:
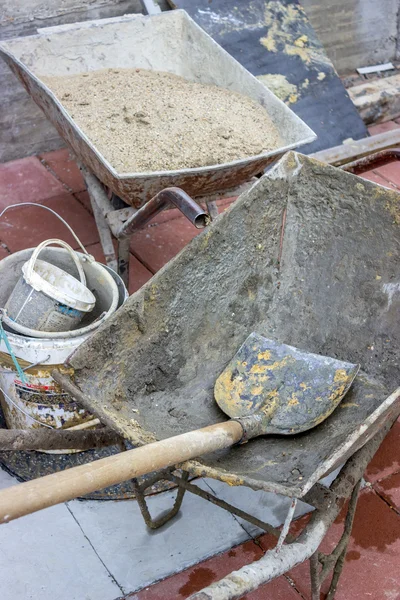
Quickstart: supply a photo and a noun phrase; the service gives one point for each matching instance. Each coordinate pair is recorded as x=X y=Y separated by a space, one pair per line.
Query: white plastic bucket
x=98 y=279
x=39 y=402
x=47 y=298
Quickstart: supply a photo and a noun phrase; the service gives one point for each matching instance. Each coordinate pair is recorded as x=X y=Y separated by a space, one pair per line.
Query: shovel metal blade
x=291 y=389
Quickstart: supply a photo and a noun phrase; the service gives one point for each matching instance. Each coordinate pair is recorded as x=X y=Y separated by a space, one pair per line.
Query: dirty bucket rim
x=37 y=280
x=23 y=334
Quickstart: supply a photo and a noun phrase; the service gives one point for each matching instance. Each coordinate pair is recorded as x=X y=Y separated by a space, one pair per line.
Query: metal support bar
x=212 y=209
x=336 y=559
x=159 y=202
x=160 y=521
x=286 y=525
x=194 y=489
x=123 y=260
x=104 y=235
x=96 y=191
x=274 y=564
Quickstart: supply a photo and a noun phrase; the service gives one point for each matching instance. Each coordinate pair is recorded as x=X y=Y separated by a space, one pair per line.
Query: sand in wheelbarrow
x=142 y=120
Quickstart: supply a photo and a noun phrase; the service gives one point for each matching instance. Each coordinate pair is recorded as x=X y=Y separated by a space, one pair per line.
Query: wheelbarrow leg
x=105 y=236
x=160 y=521
x=212 y=209
x=100 y=207
x=123 y=260
x=321 y=564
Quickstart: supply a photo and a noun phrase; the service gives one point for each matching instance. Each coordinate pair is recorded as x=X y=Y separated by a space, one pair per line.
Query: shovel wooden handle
x=29 y=497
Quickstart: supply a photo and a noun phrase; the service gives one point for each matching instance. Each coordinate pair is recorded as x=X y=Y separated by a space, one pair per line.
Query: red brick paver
x=386 y=461
x=27 y=180
x=377 y=178
x=65 y=169
x=383 y=127
x=389 y=489
x=195 y=578
x=371 y=569
x=27 y=226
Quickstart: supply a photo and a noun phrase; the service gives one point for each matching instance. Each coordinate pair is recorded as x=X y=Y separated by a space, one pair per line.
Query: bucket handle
x=38 y=249
x=82 y=247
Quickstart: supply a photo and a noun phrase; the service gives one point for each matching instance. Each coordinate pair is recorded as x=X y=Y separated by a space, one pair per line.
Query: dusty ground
x=152 y=121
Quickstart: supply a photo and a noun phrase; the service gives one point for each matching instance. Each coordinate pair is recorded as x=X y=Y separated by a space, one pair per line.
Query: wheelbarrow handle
x=29 y=497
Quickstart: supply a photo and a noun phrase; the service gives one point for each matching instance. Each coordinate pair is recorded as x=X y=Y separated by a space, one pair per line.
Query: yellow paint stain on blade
x=256 y=390
x=268 y=43
x=294 y=401
x=340 y=376
x=301 y=41
x=266 y=355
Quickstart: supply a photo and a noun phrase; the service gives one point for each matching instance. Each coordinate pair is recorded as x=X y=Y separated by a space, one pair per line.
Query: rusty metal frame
x=328 y=502
x=322 y=564
x=372 y=161
x=122 y=223
x=112 y=221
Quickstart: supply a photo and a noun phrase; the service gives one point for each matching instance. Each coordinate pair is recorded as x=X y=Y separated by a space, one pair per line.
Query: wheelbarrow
x=308 y=256
x=169 y=41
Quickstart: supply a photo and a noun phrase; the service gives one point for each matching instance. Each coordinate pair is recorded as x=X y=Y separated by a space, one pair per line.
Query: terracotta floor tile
x=83 y=198
x=386 y=461
x=389 y=488
x=391 y=172
x=371 y=569
x=138 y=274
x=65 y=168
x=182 y=585
x=382 y=127
x=26 y=180
x=3 y=252
x=155 y=245
x=26 y=227
x=376 y=178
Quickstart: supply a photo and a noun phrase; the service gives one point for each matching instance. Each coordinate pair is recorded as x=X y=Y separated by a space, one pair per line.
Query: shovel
x=267 y=388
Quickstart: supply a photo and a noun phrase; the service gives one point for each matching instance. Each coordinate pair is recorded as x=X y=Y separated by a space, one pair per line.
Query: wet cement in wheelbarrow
x=143 y=120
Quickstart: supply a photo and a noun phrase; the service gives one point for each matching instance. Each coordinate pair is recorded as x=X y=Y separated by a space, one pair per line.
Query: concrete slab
x=136 y=556
x=271 y=508
x=45 y=556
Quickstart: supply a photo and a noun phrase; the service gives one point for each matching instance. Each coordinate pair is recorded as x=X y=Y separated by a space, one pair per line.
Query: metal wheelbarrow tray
x=171 y=42
x=308 y=256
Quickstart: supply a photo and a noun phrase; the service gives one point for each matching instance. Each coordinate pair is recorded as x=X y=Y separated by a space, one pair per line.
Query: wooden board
x=276 y=42
x=346 y=153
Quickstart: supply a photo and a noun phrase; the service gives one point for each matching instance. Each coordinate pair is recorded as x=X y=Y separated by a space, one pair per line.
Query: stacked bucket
x=52 y=298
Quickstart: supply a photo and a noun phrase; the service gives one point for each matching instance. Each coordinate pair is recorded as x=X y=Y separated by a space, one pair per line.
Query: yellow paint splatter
x=340 y=376
x=266 y=355
x=258 y=369
x=276 y=365
x=305 y=84
x=269 y=43
x=321 y=75
x=294 y=401
x=256 y=390
x=293 y=98
x=302 y=53
x=301 y=41
x=279 y=85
